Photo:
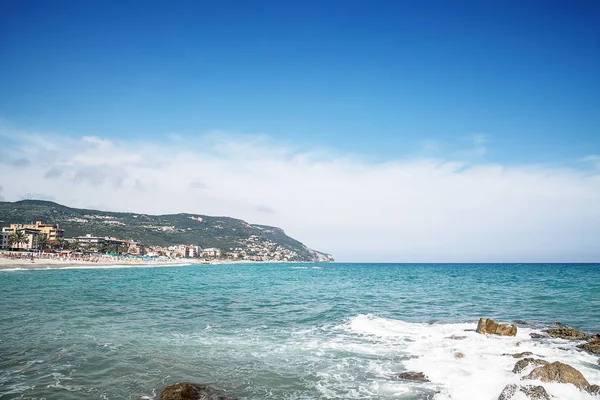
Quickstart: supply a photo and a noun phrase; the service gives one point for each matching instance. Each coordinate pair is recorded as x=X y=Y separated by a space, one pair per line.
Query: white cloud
x=424 y=209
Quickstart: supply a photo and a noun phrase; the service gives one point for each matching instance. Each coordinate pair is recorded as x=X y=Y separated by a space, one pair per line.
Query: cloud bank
x=423 y=209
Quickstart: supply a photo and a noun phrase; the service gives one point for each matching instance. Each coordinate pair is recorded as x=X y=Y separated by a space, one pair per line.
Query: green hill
x=160 y=230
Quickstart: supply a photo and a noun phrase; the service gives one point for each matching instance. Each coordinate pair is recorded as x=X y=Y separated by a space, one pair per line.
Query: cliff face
x=163 y=230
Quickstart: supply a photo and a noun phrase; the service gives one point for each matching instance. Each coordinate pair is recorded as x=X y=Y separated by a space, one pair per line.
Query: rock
x=592 y=347
x=593 y=389
x=191 y=391
x=532 y=392
x=538 y=336
x=413 y=376
x=458 y=354
x=456 y=337
x=489 y=326
x=524 y=363
x=519 y=355
x=508 y=392
x=535 y=392
x=559 y=372
x=564 y=332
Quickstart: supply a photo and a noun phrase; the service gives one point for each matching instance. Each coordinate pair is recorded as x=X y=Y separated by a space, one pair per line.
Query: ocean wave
x=482 y=368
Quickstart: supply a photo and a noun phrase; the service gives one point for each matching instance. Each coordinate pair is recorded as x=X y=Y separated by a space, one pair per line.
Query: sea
x=289 y=331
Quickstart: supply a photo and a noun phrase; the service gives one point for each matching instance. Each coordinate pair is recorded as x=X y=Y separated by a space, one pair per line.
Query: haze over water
x=286 y=331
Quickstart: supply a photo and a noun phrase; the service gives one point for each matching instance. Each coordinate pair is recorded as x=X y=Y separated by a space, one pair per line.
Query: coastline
x=11 y=264
x=7 y=263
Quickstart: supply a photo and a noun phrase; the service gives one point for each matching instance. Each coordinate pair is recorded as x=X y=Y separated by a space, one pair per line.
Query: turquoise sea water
x=281 y=331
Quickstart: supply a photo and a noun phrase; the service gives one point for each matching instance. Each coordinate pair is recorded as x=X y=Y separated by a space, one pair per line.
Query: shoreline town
x=39 y=245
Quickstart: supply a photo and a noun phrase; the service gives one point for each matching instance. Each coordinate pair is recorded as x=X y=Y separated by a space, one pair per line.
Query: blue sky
x=377 y=131
x=379 y=78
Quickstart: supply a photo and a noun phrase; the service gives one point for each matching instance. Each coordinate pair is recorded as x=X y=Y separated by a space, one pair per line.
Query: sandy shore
x=8 y=263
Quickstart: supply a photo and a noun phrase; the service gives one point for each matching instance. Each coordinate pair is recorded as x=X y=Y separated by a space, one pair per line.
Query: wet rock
x=538 y=336
x=413 y=376
x=191 y=391
x=489 y=326
x=535 y=392
x=519 y=355
x=458 y=354
x=592 y=347
x=524 y=363
x=559 y=372
x=456 y=337
x=508 y=392
x=564 y=332
x=532 y=392
x=593 y=389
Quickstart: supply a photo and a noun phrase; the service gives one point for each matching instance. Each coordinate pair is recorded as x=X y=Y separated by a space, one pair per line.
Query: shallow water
x=286 y=331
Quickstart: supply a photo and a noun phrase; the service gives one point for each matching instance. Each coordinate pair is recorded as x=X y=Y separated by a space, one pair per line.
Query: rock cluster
x=191 y=391
x=532 y=392
x=489 y=326
x=560 y=373
x=547 y=372
x=565 y=332
x=592 y=347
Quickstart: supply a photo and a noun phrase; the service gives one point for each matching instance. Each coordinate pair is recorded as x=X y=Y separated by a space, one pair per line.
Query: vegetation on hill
x=161 y=230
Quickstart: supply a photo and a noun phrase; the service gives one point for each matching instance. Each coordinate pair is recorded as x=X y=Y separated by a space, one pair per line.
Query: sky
x=400 y=131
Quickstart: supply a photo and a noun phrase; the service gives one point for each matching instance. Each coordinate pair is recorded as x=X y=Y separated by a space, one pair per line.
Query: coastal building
x=89 y=240
x=113 y=244
x=4 y=240
x=30 y=237
x=136 y=248
x=191 y=252
x=211 y=252
x=52 y=231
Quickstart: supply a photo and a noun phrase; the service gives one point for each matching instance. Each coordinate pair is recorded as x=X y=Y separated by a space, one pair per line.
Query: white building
x=211 y=252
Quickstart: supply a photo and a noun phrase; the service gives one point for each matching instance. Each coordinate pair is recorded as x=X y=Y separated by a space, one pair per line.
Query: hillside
x=160 y=230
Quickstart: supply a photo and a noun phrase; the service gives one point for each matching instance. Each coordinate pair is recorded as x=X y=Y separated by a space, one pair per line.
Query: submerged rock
x=519 y=355
x=489 y=326
x=592 y=347
x=559 y=372
x=456 y=337
x=524 y=363
x=413 y=376
x=538 y=336
x=458 y=354
x=564 y=332
x=191 y=391
x=532 y=392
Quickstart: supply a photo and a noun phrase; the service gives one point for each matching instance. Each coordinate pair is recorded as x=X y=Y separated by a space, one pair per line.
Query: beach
x=45 y=261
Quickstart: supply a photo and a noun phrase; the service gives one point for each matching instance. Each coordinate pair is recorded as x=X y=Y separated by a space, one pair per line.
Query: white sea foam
x=482 y=371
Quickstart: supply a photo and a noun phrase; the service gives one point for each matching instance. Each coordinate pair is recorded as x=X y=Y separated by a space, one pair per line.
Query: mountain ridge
x=225 y=233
